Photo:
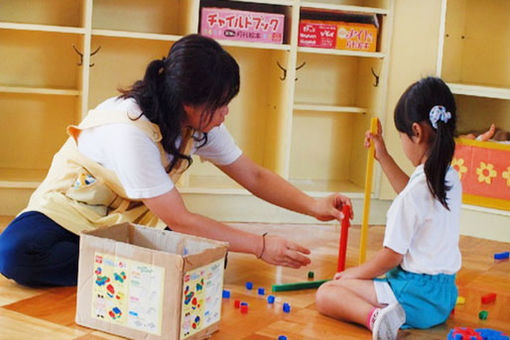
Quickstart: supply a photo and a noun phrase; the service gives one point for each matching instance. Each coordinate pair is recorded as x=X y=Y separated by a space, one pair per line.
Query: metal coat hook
x=285 y=70
x=81 y=55
x=376 y=76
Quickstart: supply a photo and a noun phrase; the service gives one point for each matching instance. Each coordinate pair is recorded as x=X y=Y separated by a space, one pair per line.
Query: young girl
x=421 y=254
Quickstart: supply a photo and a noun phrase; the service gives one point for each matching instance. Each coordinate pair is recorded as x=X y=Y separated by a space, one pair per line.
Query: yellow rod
x=368 y=190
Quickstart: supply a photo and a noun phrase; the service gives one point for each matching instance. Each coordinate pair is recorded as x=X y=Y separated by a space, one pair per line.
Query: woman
x=122 y=161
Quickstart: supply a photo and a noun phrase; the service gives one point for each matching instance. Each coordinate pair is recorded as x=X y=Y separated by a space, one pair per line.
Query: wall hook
x=376 y=76
x=81 y=55
x=283 y=69
x=300 y=67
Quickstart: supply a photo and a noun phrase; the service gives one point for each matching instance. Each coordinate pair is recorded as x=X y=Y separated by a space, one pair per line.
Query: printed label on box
x=317 y=34
x=230 y=24
x=128 y=293
x=201 y=301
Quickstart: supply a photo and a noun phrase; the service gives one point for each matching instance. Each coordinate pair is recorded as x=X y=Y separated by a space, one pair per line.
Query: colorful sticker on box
x=201 y=301
x=128 y=293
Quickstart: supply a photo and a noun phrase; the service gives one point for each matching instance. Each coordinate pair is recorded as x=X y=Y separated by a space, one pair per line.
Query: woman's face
x=197 y=118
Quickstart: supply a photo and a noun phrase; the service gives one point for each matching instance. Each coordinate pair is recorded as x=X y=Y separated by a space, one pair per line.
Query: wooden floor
x=27 y=313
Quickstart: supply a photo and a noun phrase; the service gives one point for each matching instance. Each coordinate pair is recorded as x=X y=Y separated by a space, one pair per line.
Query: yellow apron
x=79 y=194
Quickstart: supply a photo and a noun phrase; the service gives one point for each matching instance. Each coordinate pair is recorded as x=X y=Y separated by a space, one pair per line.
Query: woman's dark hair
x=196 y=72
x=414 y=106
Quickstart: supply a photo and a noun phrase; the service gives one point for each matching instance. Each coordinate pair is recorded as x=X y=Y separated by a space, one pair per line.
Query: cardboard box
x=484 y=171
x=146 y=283
x=356 y=37
x=313 y=33
x=232 y=24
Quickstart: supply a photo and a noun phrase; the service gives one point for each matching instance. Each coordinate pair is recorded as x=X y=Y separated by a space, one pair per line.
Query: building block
x=488 y=298
x=298 y=285
x=282 y=337
x=249 y=285
x=461 y=300
x=270 y=299
x=310 y=275
x=244 y=309
x=502 y=256
x=226 y=294
x=492 y=334
x=244 y=303
x=344 y=234
x=237 y=303
x=483 y=315
x=461 y=333
x=261 y=291
x=368 y=194
x=286 y=307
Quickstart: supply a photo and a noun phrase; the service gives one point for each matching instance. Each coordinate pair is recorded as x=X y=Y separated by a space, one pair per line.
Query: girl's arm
x=397 y=177
x=384 y=260
x=170 y=208
x=272 y=188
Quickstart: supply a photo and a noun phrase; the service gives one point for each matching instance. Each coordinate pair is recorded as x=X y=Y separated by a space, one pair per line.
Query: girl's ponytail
x=440 y=154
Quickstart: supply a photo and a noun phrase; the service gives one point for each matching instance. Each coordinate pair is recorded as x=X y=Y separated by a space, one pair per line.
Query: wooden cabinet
x=306 y=123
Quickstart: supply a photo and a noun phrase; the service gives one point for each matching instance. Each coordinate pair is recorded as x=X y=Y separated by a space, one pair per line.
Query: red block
x=491 y=297
x=244 y=309
x=237 y=303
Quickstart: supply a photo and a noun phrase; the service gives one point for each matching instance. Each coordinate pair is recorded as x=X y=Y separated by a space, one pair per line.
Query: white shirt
x=135 y=158
x=422 y=229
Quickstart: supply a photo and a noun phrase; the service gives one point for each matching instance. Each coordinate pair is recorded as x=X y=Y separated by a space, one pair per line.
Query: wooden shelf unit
x=307 y=127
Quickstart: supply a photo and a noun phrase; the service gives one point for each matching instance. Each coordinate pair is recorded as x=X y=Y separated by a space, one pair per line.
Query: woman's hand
x=283 y=252
x=351 y=273
x=330 y=208
x=377 y=139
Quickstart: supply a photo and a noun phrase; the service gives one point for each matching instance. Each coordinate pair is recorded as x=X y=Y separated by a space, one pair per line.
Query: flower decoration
x=506 y=175
x=486 y=173
x=458 y=165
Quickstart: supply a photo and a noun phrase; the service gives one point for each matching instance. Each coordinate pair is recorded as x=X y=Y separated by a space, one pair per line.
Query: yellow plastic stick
x=368 y=191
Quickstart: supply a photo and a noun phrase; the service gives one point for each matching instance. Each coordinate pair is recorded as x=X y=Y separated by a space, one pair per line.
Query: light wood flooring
x=27 y=313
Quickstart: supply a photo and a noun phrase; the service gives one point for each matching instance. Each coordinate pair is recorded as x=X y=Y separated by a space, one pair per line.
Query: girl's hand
x=351 y=273
x=330 y=208
x=377 y=139
x=282 y=252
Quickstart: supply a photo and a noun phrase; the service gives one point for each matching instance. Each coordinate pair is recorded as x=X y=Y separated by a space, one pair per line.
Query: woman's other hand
x=330 y=207
x=282 y=252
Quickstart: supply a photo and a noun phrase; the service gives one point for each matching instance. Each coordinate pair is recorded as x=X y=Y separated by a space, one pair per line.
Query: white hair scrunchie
x=438 y=113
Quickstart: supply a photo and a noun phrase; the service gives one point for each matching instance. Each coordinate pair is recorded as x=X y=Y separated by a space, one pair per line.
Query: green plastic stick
x=298 y=285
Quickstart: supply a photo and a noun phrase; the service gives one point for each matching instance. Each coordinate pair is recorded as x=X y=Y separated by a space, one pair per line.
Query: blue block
x=244 y=303
x=226 y=294
x=270 y=299
x=261 y=291
x=501 y=256
x=286 y=307
x=282 y=337
x=249 y=285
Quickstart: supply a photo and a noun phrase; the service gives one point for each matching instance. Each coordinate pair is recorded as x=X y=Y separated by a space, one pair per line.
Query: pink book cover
x=230 y=24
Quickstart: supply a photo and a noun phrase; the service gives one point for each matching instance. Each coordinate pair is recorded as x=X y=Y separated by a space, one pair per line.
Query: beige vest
x=80 y=194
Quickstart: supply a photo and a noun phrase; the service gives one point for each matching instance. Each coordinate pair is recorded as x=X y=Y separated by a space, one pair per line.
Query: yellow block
x=461 y=300
x=368 y=191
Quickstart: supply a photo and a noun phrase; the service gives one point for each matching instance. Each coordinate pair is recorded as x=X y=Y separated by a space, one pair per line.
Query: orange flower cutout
x=458 y=165
x=486 y=173
x=506 y=175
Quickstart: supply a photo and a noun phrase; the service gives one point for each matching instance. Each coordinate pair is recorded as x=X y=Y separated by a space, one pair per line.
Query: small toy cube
x=310 y=275
x=261 y=291
x=461 y=300
x=249 y=285
x=226 y=294
x=483 y=315
x=282 y=337
x=270 y=299
x=244 y=309
x=501 y=256
x=244 y=303
x=488 y=298
x=286 y=307
x=237 y=303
